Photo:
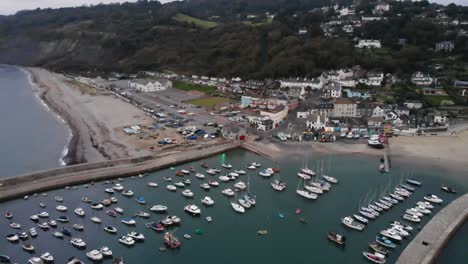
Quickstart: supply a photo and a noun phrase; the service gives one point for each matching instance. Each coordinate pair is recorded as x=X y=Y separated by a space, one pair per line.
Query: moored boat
x=337 y=238
x=349 y=222
x=413 y=182
x=448 y=189
x=171 y=241
x=378 y=248
x=376 y=257
x=385 y=242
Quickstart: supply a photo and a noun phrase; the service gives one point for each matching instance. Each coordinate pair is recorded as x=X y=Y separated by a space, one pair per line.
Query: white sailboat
x=304 y=193
x=328 y=178
x=277 y=184
x=306 y=173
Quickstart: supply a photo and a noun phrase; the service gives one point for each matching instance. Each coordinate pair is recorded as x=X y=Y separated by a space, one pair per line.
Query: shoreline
x=68 y=156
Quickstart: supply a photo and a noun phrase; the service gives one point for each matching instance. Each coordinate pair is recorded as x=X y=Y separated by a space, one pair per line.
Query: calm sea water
x=231 y=237
x=32 y=138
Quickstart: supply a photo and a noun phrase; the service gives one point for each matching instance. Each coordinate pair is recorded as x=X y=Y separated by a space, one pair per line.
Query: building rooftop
x=344 y=101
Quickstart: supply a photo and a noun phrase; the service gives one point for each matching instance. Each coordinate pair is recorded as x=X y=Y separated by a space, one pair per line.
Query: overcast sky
x=8 y=7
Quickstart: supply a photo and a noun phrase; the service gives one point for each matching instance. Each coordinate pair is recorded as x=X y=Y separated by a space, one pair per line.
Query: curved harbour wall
x=41 y=181
x=436 y=233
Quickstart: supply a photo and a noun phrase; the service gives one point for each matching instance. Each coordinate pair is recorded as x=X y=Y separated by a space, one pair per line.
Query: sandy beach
x=95 y=120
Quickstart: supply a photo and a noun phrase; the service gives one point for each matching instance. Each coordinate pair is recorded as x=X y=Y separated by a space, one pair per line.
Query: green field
x=193 y=87
x=434 y=100
x=199 y=22
x=208 y=102
x=250 y=23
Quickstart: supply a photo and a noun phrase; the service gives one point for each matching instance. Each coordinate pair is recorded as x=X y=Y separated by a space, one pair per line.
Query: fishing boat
x=349 y=222
x=433 y=198
x=376 y=257
x=126 y=240
x=192 y=209
x=187 y=193
x=413 y=182
x=207 y=201
x=77 y=242
x=378 y=248
x=94 y=255
x=158 y=208
x=128 y=221
x=136 y=236
x=237 y=207
x=171 y=188
x=391 y=234
x=448 y=189
x=385 y=242
x=361 y=219
x=337 y=238
x=171 y=241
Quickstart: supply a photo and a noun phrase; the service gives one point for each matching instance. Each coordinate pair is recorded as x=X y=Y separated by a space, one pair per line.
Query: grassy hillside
x=201 y=23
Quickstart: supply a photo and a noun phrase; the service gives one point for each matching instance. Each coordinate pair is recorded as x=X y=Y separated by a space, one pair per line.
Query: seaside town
x=159 y=160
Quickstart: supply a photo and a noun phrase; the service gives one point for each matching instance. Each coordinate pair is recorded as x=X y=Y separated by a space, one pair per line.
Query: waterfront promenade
x=35 y=182
x=427 y=245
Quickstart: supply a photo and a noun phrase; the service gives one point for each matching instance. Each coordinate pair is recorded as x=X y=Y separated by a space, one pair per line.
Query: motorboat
x=97 y=206
x=171 y=188
x=411 y=218
x=251 y=167
x=167 y=179
x=47 y=257
x=233 y=174
x=9 y=215
x=226 y=166
x=171 y=241
x=61 y=208
x=4 y=259
x=386 y=203
x=378 y=248
x=186 y=181
x=128 y=221
x=213 y=183
x=383 y=206
x=244 y=203
x=187 y=193
x=43 y=225
x=85 y=200
x=15 y=225
x=186 y=172
x=307 y=194
x=337 y=238
x=95 y=219
x=400 y=230
x=385 y=242
x=240 y=172
x=330 y=179
x=390 y=200
x=278 y=185
x=28 y=247
x=152 y=184
x=313 y=189
x=396 y=197
x=351 y=223
x=375 y=144
x=118 y=187
x=304 y=176
x=109 y=190
x=32 y=232
x=205 y=186
x=61 y=219
x=204 y=165
x=187 y=236
x=66 y=232
x=375 y=208
x=12 y=238
x=110 y=229
x=405 y=227
x=238 y=208
x=158 y=208
x=79 y=212
x=427 y=205
x=207 y=201
x=224 y=178
x=376 y=257
x=22 y=235
x=136 y=236
x=211 y=171
x=402 y=192
x=370 y=210
x=240 y=185
x=256 y=164
x=448 y=189
x=423 y=209
x=77 y=227
x=34 y=218
x=228 y=192
x=199 y=175
x=119 y=210
x=433 y=198
x=95 y=255
x=142 y=214
x=126 y=240
x=407 y=187
x=35 y=260
x=105 y=251
x=77 y=242
x=128 y=193
x=57 y=234
x=113 y=199
x=264 y=173
x=175 y=220
x=192 y=209
x=209 y=219
x=413 y=211
x=58 y=199
x=42 y=204
x=361 y=219
x=111 y=213
x=391 y=234
x=158 y=227
x=140 y=200
x=413 y=182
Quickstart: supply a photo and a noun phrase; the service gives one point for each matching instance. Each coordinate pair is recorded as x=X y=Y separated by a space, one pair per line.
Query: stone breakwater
x=428 y=244
x=41 y=181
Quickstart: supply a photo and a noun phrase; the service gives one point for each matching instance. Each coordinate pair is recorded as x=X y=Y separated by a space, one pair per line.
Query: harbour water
x=232 y=237
x=32 y=137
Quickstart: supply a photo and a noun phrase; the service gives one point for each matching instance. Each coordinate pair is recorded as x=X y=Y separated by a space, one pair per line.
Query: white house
x=369 y=43
x=150 y=86
x=382 y=7
x=291 y=83
x=316 y=121
x=391 y=116
x=332 y=90
x=347 y=82
x=374 y=78
x=420 y=78
x=345 y=73
x=276 y=115
x=440 y=118
x=378 y=112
